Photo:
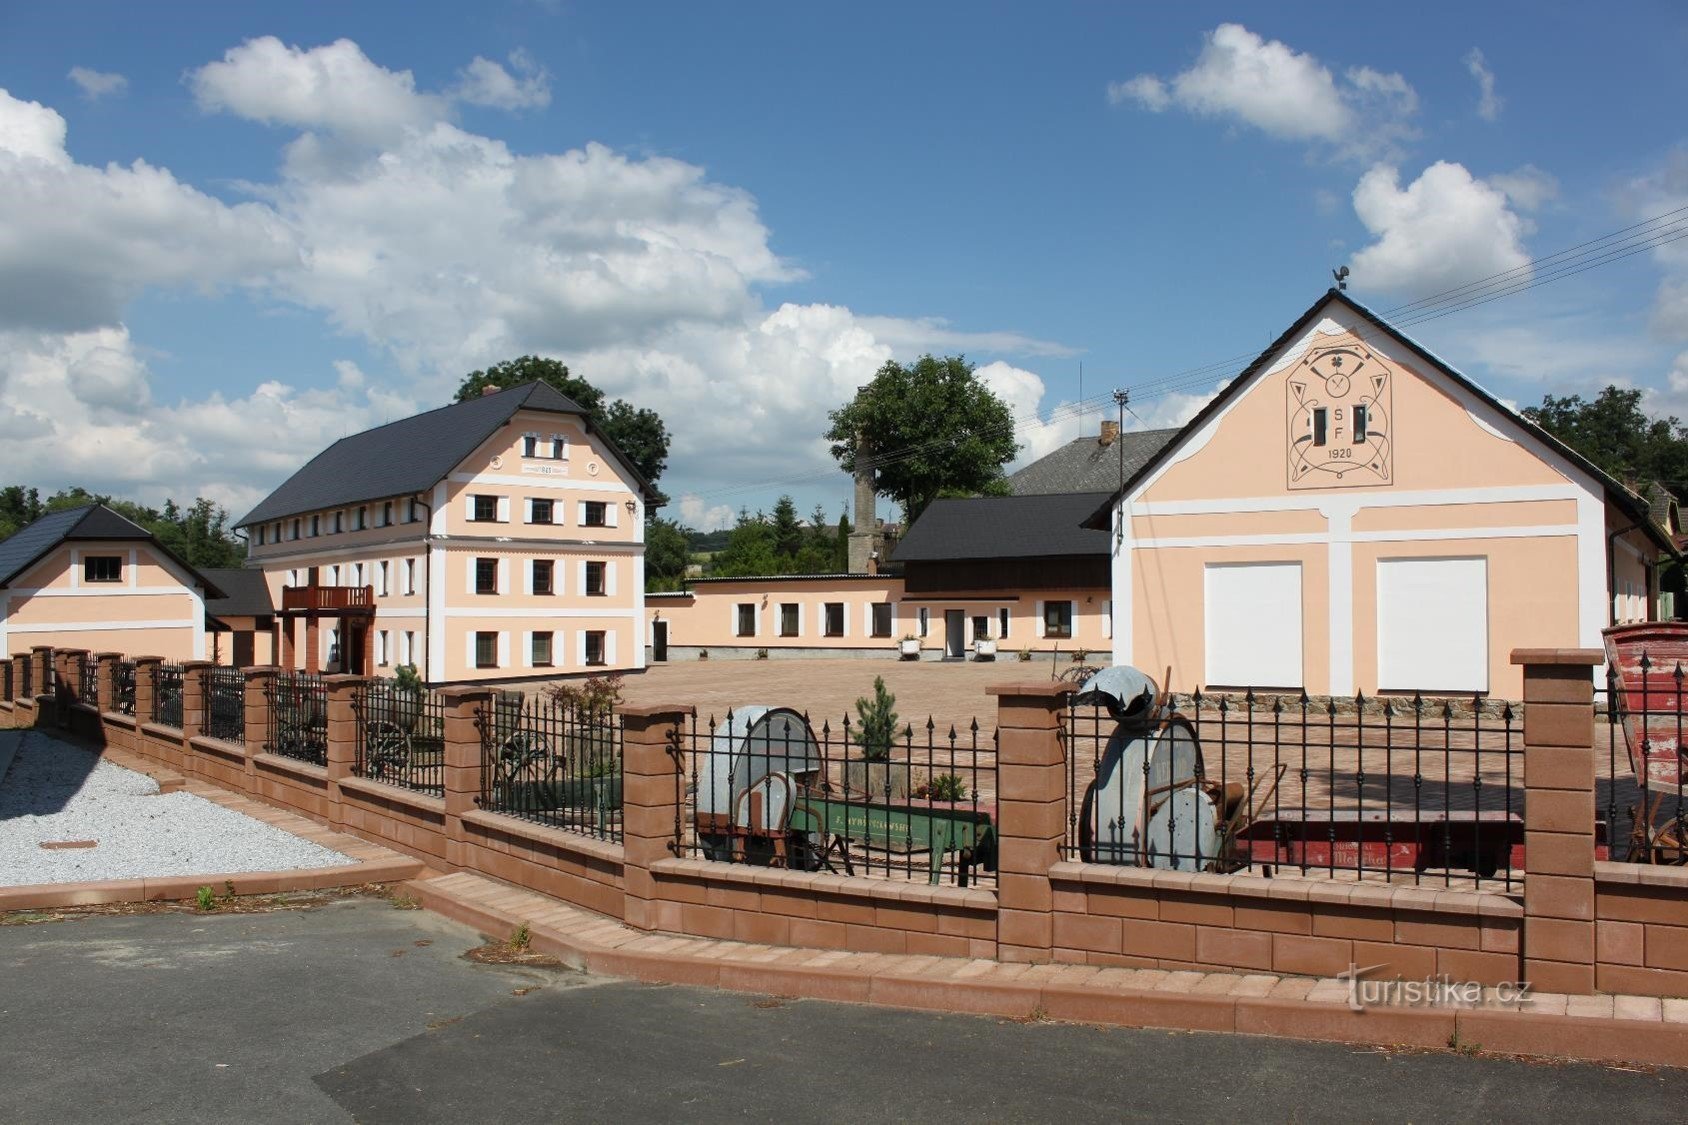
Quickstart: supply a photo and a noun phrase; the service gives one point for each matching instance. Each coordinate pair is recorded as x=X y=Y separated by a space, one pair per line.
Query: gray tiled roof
x=91 y=521
x=247 y=594
x=1086 y=465
x=412 y=454
x=1004 y=527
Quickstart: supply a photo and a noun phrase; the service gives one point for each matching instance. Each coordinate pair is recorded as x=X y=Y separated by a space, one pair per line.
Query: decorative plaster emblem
x=497 y=461
x=1339 y=402
x=592 y=468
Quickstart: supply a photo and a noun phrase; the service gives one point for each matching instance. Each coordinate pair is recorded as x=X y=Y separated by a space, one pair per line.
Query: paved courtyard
x=357 y=1011
x=828 y=689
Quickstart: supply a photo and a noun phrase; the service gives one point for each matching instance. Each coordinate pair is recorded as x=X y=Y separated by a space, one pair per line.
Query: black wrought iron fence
x=552 y=763
x=6 y=683
x=225 y=704
x=400 y=736
x=167 y=696
x=26 y=690
x=1394 y=788
x=763 y=786
x=298 y=721
x=87 y=681
x=123 y=687
x=1641 y=762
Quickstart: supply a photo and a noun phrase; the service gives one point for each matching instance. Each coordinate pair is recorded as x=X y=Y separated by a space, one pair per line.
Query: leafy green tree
x=19 y=507
x=667 y=555
x=925 y=428
x=199 y=535
x=638 y=432
x=749 y=552
x=1615 y=433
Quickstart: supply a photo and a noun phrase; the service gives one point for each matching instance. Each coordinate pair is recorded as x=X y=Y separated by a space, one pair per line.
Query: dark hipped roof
x=413 y=454
x=246 y=594
x=1086 y=465
x=91 y=521
x=1004 y=527
x=1102 y=516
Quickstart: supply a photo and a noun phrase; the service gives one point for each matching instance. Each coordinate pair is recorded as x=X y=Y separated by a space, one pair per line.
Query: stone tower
x=864 y=526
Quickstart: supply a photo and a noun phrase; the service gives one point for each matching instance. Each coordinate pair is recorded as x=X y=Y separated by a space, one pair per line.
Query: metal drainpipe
x=1612 y=570
x=427 y=591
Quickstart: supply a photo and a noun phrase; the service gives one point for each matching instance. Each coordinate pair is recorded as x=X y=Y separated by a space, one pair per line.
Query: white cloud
x=698 y=516
x=442 y=251
x=908 y=337
x=78 y=242
x=96 y=84
x=1444 y=229
x=335 y=87
x=1488 y=102
x=1282 y=92
x=487 y=83
x=1528 y=187
x=1661 y=194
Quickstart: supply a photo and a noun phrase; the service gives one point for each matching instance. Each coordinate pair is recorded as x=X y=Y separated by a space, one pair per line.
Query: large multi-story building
x=495 y=539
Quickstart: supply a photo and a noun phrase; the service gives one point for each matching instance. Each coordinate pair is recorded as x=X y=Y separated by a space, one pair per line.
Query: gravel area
x=58 y=793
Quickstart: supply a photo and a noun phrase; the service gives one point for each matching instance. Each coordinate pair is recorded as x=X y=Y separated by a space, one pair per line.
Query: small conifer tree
x=878 y=730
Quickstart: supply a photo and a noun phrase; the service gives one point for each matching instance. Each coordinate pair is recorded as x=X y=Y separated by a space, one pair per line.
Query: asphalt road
x=357 y=1011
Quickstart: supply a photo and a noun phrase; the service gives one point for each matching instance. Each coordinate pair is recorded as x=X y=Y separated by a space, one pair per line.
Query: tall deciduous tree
x=667 y=555
x=927 y=428
x=638 y=432
x=1615 y=433
x=199 y=534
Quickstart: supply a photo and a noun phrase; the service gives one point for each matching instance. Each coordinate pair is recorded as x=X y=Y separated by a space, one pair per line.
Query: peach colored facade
x=154 y=607
x=466 y=599
x=791 y=614
x=1291 y=541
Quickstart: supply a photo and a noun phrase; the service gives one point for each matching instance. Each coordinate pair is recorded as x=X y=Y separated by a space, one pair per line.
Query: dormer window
x=530 y=445
x=102 y=568
x=363 y=519
x=559 y=447
x=339 y=522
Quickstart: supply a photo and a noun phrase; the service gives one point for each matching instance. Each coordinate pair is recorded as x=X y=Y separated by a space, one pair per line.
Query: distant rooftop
x=1086 y=464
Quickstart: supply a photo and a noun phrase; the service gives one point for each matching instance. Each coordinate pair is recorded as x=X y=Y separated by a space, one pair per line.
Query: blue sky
x=733 y=213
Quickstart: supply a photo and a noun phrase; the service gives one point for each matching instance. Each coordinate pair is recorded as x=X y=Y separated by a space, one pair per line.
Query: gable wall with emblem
x=1424 y=548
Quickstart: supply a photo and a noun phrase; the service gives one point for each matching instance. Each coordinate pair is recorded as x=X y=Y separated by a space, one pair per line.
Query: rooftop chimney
x=1110 y=434
x=489 y=389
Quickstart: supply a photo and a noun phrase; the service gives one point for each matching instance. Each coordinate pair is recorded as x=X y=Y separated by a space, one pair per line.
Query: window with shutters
x=835 y=619
x=594 y=647
x=597 y=514
x=747 y=619
x=542 y=511
x=1058 y=619
x=595 y=579
x=486 y=576
x=486 y=650
x=541 y=650
x=882 y=619
x=542 y=576
x=485 y=509
x=790 y=618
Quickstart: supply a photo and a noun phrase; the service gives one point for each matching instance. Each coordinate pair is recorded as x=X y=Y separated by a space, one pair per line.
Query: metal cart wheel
x=386 y=750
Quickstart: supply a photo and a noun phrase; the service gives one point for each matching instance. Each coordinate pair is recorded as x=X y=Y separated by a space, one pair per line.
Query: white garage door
x=1433 y=624
x=1253 y=615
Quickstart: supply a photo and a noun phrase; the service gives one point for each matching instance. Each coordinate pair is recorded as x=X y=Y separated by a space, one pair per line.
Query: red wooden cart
x=1649 y=671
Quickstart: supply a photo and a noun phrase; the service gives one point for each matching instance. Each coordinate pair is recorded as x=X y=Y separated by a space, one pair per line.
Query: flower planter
x=984 y=649
x=909 y=649
x=870 y=779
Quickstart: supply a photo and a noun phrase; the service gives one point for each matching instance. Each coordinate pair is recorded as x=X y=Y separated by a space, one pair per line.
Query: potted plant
x=984 y=648
x=874 y=774
x=407 y=697
x=909 y=647
x=1025 y=655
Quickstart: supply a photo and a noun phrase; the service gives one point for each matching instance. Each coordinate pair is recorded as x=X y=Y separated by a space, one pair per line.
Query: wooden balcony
x=328 y=599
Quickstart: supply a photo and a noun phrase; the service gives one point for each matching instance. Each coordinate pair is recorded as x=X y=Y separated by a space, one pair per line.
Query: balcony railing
x=327 y=598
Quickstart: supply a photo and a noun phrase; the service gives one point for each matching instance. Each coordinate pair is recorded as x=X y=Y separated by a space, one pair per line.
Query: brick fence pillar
x=105 y=680
x=65 y=683
x=462 y=768
x=1559 y=950
x=651 y=765
x=1031 y=806
x=194 y=704
x=257 y=691
x=342 y=736
x=146 y=688
x=22 y=688
x=40 y=667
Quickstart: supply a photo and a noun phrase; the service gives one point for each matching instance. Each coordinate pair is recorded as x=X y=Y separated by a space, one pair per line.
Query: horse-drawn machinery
x=767 y=794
